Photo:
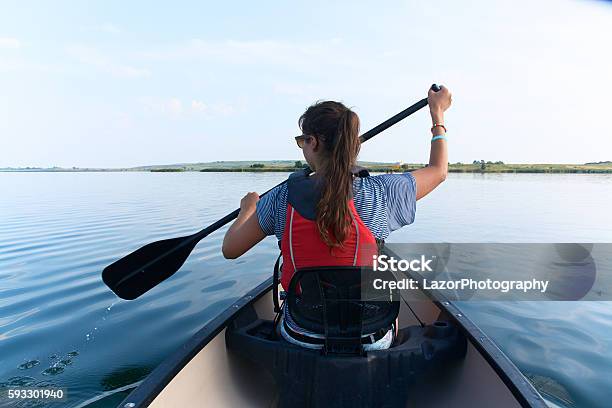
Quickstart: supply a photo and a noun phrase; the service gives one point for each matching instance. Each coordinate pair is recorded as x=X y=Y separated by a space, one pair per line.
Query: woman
x=330 y=218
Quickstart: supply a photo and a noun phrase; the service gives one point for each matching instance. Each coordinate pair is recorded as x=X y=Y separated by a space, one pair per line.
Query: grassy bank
x=453 y=168
x=530 y=168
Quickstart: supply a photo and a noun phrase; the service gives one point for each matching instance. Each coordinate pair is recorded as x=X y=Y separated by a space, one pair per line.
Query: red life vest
x=301 y=244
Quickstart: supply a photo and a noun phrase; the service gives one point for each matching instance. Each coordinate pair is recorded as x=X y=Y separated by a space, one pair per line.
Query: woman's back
x=384 y=203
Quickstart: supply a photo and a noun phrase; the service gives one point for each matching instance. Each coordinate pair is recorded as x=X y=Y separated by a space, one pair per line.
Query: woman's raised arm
x=428 y=178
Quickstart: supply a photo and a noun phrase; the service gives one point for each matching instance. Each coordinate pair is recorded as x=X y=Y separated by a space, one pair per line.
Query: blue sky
x=115 y=83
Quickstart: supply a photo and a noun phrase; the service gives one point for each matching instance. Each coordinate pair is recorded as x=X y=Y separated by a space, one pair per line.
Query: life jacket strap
x=291 y=239
x=275 y=283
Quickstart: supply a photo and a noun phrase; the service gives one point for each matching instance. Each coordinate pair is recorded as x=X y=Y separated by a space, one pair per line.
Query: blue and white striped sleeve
x=267 y=209
x=401 y=199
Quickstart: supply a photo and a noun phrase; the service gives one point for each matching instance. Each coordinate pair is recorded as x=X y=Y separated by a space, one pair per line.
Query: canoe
x=205 y=372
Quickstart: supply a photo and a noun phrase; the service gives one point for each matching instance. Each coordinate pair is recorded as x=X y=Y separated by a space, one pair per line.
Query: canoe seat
x=341 y=373
x=340 y=305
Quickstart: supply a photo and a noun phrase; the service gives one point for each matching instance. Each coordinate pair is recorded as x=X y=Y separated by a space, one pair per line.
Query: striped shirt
x=384 y=203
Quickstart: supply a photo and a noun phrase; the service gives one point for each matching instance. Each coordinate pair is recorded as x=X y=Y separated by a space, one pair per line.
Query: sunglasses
x=301 y=140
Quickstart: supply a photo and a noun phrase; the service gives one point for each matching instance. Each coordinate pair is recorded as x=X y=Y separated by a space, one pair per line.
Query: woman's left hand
x=439 y=102
x=249 y=202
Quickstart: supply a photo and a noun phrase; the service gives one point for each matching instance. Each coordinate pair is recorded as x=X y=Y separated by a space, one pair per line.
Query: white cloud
x=297 y=89
x=127 y=71
x=172 y=107
x=215 y=109
x=297 y=55
x=198 y=106
x=92 y=57
x=109 y=28
x=9 y=42
x=175 y=108
x=222 y=109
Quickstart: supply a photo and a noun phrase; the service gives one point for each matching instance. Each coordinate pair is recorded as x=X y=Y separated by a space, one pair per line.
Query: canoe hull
x=203 y=373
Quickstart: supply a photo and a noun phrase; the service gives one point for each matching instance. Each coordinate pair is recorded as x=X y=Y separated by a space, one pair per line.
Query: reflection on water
x=60 y=326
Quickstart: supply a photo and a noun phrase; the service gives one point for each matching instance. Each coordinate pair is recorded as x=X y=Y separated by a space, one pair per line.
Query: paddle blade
x=145 y=268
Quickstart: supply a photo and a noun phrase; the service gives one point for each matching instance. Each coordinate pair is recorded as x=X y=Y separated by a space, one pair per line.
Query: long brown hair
x=337 y=129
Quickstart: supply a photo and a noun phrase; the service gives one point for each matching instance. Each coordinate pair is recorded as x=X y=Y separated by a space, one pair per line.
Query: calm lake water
x=60 y=325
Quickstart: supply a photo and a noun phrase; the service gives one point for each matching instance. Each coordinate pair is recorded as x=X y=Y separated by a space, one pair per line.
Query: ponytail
x=337 y=127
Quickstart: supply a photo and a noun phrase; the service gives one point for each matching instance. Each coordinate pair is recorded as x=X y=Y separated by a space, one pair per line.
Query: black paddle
x=145 y=268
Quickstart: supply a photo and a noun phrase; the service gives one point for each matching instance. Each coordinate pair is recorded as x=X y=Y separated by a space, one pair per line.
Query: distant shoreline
x=526 y=169
x=285 y=166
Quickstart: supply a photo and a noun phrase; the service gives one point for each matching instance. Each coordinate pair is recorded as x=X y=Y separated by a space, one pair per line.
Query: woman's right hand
x=249 y=203
x=439 y=101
